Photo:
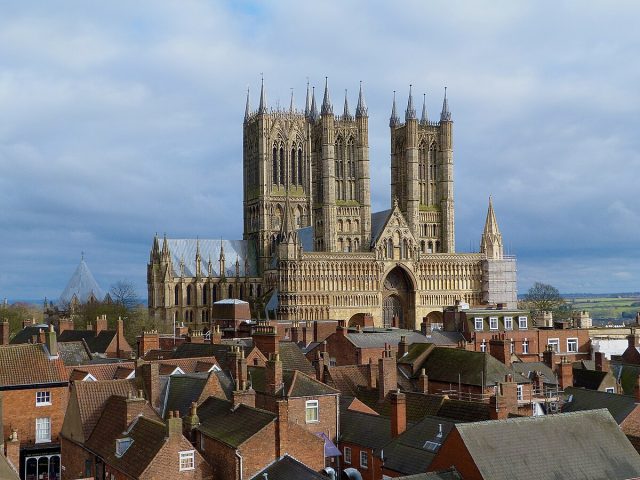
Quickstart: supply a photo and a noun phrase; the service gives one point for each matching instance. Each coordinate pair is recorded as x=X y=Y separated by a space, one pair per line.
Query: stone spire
x=346 y=115
x=445 y=115
x=291 y=103
x=155 y=252
x=394 y=120
x=165 y=247
x=307 y=103
x=221 y=260
x=198 y=258
x=246 y=108
x=314 y=109
x=361 y=109
x=288 y=229
x=326 y=109
x=262 y=108
x=424 y=119
x=410 y=113
x=491 y=242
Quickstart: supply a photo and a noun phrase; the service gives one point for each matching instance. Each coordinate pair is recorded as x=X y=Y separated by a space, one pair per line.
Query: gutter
x=237 y=452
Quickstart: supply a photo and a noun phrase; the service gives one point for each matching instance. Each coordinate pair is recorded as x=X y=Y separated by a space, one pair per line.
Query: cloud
x=119 y=123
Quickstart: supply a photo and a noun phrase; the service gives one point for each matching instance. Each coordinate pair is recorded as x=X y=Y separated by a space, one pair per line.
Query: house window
x=572 y=345
x=43 y=398
x=364 y=459
x=525 y=346
x=511 y=346
x=311 y=409
x=519 y=394
x=483 y=346
x=554 y=344
x=522 y=323
x=508 y=323
x=493 y=323
x=610 y=390
x=187 y=460
x=347 y=454
x=122 y=445
x=43 y=430
x=477 y=323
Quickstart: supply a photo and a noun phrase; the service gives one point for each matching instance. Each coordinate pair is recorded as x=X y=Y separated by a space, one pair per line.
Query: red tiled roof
x=29 y=364
x=102 y=371
x=347 y=378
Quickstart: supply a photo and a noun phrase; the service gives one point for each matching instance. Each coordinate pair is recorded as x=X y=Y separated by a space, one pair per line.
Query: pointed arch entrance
x=398 y=300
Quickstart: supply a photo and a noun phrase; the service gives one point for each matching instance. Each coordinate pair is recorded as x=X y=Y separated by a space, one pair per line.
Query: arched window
x=300 y=166
x=214 y=294
x=422 y=246
x=176 y=295
x=356 y=244
x=350 y=170
x=283 y=166
x=292 y=160
x=340 y=245
x=259 y=290
x=188 y=294
x=230 y=291
x=389 y=248
x=433 y=173
x=339 y=169
x=340 y=227
x=204 y=295
x=349 y=245
x=275 y=165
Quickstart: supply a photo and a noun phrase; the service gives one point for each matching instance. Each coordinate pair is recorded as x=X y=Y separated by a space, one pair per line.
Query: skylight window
x=431 y=446
x=122 y=445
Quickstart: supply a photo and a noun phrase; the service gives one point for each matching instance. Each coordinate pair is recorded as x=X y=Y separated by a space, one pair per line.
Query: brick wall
x=73 y=459
x=327 y=410
x=221 y=457
x=454 y=452
x=369 y=473
x=19 y=412
x=167 y=462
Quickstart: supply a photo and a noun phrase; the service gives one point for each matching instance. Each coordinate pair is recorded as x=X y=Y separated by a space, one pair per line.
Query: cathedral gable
x=393 y=238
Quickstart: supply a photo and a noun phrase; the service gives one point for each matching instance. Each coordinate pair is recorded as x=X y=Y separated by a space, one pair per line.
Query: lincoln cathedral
x=312 y=249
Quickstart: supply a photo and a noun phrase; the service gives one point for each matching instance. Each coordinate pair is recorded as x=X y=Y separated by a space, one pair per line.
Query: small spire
x=345 y=114
x=314 y=109
x=425 y=118
x=491 y=241
x=262 y=108
x=165 y=246
x=221 y=250
x=197 y=248
x=291 y=103
x=361 y=109
x=246 y=108
x=307 y=103
x=410 y=113
x=327 y=109
x=445 y=115
x=394 y=120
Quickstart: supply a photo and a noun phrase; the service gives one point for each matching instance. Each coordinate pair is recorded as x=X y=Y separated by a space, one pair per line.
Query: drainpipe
x=240 y=459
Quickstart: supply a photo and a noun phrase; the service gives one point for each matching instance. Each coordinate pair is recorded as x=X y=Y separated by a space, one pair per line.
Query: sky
x=122 y=119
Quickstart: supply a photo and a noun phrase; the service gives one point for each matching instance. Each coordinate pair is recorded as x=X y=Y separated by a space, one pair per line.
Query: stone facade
x=313 y=250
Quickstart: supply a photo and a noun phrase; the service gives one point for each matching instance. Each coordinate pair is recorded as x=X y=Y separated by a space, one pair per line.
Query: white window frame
x=525 y=346
x=520 y=392
x=554 y=341
x=478 y=321
x=512 y=347
x=187 y=456
x=610 y=390
x=508 y=323
x=347 y=455
x=43 y=398
x=122 y=445
x=523 y=323
x=311 y=406
x=483 y=346
x=493 y=323
x=575 y=340
x=364 y=459
x=43 y=430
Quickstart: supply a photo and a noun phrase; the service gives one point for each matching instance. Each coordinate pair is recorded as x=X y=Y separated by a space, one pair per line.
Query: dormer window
x=122 y=445
x=477 y=323
x=493 y=323
x=508 y=323
x=522 y=323
x=187 y=460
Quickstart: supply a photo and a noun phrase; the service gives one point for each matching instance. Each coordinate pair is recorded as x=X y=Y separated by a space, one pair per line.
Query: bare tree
x=124 y=293
x=542 y=297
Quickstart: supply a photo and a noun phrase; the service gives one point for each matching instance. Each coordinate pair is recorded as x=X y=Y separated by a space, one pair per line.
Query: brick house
x=33 y=400
x=100 y=340
x=362 y=436
x=582 y=445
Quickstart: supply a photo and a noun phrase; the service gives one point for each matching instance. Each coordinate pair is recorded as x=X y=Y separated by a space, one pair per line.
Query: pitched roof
x=418 y=405
x=74 y=353
x=414 y=450
x=347 y=378
x=82 y=285
x=293 y=359
x=7 y=472
x=29 y=364
x=183 y=250
x=364 y=429
x=378 y=222
x=26 y=334
x=96 y=343
x=464 y=410
x=183 y=390
x=233 y=426
x=579 y=399
x=287 y=468
x=527 y=370
x=377 y=338
x=591 y=379
x=448 y=474
x=581 y=445
x=102 y=371
x=296 y=383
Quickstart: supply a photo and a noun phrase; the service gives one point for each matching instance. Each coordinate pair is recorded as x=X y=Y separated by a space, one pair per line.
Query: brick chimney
x=403 y=346
x=565 y=373
x=371 y=375
x=130 y=407
x=174 y=424
x=190 y=422
x=398 y=413
x=602 y=364
x=548 y=357
x=238 y=364
x=100 y=325
x=4 y=332
x=181 y=330
x=265 y=339
x=51 y=342
x=273 y=374
x=216 y=335
x=633 y=339
x=65 y=324
x=342 y=328
x=318 y=364
x=120 y=340
x=505 y=401
x=282 y=431
x=423 y=382
x=150 y=375
x=148 y=341
x=387 y=373
x=500 y=349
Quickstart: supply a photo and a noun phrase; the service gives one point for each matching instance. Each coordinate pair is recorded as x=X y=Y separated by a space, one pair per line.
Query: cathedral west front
x=312 y=249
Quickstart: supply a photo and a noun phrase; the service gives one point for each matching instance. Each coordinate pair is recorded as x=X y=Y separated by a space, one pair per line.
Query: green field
x=606 y=309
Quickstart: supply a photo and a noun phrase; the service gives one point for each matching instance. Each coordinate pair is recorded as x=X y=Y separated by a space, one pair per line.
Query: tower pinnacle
x=346 y=115
x=307 y=103
x=262 y=108
x=327 y=109
x=424 y=119
x=246 y=108
x=445 y=115
x=491 y=242
x=361 y=109
x=394 y=120
x=291 y=102
x=410 y=113
x=314 y=109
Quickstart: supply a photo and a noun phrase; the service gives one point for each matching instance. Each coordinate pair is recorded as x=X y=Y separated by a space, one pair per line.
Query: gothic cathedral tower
x=422 y=175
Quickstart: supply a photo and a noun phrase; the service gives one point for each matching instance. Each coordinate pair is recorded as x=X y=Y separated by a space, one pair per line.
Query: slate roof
x=292 y=358
x=287 y=468
x=463 y=410
x=418 y=405
x=448 y=474
x=347 y=378
x=27 y=333
x=219 y=420
x=182 y=390
x=364 y=429
x=96 y=343
x=591 y=379
x=582 y=445
x=29 y=364
x=378 y=221
x=296 y=383
x=409 y=452
x=82 y=285
x=619 y=406
x=627 y=375
x=7 y=472
x=220 y=351
x=377 y=338
x=527 y=370
x=74 y=353
x=184 y=250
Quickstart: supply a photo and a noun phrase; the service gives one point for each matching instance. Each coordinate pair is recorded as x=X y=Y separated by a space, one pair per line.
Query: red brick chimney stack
x=174 y=424
x=565 y=373
x=423 y=382
x=265 y=339
x=602 y=363
x=371 y=375
x=65 y=324
x=398 y=413
x=548 y=357
x=342 y=329
x=216 y=335
x=403 y=346
x=387 y=373
x=505 y=401
x=150 y=374
x=273 y=374
x=500 y=349
x=101 y=324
